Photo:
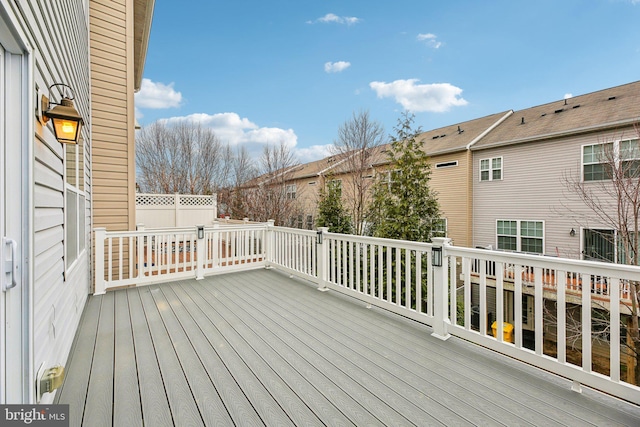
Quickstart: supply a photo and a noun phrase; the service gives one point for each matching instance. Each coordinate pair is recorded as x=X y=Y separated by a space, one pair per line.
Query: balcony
x=327 y=329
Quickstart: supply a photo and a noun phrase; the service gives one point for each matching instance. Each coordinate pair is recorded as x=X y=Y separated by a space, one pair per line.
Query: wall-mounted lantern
x=200 y=232
x=572 y=233
x=67 y=122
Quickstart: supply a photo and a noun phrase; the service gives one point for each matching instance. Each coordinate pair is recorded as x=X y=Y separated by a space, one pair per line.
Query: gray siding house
x=521 y=171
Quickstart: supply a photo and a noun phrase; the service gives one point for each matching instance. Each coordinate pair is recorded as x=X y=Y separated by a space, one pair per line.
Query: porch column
x=440 y=288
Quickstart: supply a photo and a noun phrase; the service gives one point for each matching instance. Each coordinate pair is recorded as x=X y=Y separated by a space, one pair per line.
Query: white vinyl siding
x=520 y=236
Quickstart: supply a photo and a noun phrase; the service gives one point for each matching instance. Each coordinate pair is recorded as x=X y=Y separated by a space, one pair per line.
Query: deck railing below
x=536 y=301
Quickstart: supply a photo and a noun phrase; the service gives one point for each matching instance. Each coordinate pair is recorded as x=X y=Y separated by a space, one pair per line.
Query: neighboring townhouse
x=520 y=169
x=451 y=169
x=48 y=50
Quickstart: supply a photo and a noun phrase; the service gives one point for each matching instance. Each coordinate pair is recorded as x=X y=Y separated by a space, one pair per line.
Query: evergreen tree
x=403 y=204
x=331 y=211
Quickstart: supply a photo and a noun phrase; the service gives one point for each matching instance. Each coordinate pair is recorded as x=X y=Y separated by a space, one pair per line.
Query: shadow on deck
x=260 y=348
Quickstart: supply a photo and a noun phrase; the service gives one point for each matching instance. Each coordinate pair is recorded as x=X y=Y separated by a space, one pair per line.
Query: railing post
x=215 y=241
x=440 y=287
x=100 y=235
x=201 y=252
x=323 y=258
x=140 y=238
x=269 y=244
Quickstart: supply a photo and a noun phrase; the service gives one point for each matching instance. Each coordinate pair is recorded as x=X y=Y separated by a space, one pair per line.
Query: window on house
x=440 y=227
x=446 y=164
x=630 y=158
x=491 y=169
x=290 y=191
x=75 y=215
x=309 y=222
x=520 y=236
x=595 y=163
x=300 y=223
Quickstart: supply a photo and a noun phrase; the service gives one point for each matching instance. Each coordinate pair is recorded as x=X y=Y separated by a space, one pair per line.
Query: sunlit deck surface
x=260 y=348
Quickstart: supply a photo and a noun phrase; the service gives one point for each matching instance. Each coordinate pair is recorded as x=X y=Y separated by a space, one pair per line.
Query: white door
x=13 y=294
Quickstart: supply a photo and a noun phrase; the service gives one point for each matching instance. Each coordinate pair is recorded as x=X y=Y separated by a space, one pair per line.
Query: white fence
x=461 y=297
x=175 y=210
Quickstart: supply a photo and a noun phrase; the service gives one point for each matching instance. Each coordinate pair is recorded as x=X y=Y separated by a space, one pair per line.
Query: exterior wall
x=533 y=188
x=57 y=33
x=112 y=89
x=308 y=193
x=454 y=195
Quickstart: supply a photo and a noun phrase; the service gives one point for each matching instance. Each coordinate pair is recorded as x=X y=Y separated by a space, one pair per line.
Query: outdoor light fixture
x=436 y=257
x=200 y=232
x=572 y=233
x=67 y=122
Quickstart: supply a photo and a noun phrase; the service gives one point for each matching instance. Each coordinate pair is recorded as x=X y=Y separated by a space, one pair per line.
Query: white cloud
x=235 y=130
x=333 y=18
x=430 y=40
x=315 y=152
x=157 y=95
x=569 y=95
x=336 y=67
x=435 y=97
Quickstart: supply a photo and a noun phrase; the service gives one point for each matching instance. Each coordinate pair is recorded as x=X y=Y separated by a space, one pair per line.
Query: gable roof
x=606 y=109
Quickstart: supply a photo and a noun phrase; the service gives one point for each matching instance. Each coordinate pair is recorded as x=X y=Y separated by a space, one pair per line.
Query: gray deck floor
x=260 y=348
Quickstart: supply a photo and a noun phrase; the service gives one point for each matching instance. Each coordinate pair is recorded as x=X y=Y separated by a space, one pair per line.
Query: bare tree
x=232 y=198
x=610 y=189
x=357 y=137
x=273 y=195
x=183 y=158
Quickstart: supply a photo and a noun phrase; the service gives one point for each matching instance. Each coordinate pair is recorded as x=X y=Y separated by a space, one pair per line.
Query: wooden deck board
x=259 y=348
x=99 y=407
x=153 y=397
x=126 y=394
x=183 y=406
x=75 y=387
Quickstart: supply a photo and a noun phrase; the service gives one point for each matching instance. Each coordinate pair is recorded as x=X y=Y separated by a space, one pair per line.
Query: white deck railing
x=472 y=288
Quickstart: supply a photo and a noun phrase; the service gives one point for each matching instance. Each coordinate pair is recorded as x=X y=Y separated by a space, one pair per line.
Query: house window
x=440 y=227
x=391 y=177
x=75 y=215
x=599 y=160
x=520 y=236
x=491 y=169
x=290 y=191
x=595 y=166
x=630 y=158
x=446 y=164
x=309 y=222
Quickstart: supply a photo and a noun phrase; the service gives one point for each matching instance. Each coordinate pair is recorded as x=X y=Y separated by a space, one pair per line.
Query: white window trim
x=446 y=227
x=616 y=155
x=519 y=236
x=491 y=169
x=80 y=234
x=445 y=165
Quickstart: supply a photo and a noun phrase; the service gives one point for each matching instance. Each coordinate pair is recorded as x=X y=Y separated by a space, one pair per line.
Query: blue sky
x=261 y=72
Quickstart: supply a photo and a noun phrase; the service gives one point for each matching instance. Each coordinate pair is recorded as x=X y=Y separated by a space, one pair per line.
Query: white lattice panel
x=197 y=201
x=155 y=200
